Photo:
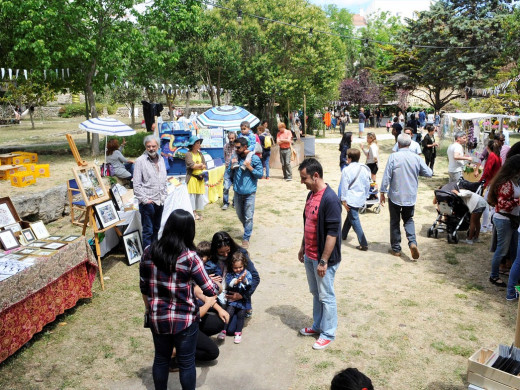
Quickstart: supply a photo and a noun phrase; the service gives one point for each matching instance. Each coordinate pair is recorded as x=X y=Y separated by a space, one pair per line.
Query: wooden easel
x=90 y=217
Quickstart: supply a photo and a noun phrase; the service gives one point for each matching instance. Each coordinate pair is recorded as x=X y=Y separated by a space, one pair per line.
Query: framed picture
x=28 y=235
x=37 y=244
x=106 y=213
x=116 y=196
x=54 y=238
x=69 y=238
x=15 y=227
x=90 y=184
x=21 y=239
x=27 y=251
x=6 y=216
x=44 y=252
x=15 y=256
x=39 y=230
x=133 y=247
x=8 y=240
x=54 y=245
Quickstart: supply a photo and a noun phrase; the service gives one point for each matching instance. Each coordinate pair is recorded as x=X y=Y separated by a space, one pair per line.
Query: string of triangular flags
x=496 y=90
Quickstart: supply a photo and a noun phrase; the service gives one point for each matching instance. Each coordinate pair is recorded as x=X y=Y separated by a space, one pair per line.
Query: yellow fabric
x=216 y=183
x=196 y=186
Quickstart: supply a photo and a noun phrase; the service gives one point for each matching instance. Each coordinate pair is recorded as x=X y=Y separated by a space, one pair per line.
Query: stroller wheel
x=455 y=238
x=436 y=233
x=377 y=209
x=450 y=239
x=430 y=232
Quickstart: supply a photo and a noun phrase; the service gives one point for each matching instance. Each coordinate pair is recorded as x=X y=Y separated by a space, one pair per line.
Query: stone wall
x=48 y=205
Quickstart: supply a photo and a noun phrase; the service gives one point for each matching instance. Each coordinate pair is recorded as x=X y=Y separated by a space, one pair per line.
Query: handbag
x=106 y=169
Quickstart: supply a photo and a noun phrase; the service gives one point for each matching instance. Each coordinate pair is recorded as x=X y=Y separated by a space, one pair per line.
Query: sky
x=400 y=7
x=352 y=5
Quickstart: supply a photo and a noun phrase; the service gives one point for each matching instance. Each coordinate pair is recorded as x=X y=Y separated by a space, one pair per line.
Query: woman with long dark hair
x=222 y=249
x=169 y=269
x=344 y=145
x=504 y=192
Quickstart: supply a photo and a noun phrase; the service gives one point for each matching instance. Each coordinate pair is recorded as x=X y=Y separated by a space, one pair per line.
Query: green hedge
x=134 y=144
x=78 y=109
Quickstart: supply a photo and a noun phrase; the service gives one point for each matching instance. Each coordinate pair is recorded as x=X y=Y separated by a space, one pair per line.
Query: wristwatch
x=322 y=262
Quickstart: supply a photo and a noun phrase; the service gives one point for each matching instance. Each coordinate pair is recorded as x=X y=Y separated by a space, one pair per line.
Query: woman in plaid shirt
x=169 y=270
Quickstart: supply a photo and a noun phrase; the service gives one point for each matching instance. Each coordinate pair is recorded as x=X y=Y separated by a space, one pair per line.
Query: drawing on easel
x=90 y=184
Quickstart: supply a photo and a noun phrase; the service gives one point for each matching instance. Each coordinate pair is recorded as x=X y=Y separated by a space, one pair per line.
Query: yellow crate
x=42 y=170
x=30 y=167
x=28 y=157
x=7 y=170
x=7 y=159
x=22 y=159
x=22 y=179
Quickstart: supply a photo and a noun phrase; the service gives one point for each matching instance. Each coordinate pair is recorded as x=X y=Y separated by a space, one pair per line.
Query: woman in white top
x=371 y=150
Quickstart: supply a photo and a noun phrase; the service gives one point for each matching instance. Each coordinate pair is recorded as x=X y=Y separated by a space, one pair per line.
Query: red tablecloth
x=36 y=296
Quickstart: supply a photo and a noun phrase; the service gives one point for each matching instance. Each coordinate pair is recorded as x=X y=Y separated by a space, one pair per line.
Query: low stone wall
x=48 y=205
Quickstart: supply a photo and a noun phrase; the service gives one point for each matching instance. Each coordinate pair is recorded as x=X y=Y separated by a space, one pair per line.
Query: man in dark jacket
x=320 y=251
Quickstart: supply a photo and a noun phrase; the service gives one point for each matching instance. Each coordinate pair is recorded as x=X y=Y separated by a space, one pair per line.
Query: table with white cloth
x=178 y=198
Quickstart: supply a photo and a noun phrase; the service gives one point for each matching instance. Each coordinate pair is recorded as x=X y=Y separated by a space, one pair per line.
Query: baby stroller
x=452 y=213
x=372 y=200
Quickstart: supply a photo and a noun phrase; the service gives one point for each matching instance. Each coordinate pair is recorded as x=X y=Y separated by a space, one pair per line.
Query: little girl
x=239 y=280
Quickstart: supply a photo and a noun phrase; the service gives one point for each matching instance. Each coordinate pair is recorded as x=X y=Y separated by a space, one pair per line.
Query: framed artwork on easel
x=90 y=184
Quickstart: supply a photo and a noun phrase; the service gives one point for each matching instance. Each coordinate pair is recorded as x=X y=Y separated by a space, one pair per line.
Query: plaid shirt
x=150 y=180
x=173 y=306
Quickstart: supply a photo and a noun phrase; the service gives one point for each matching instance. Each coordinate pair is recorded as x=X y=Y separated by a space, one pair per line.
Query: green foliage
x=78 y=109
x=134 y=144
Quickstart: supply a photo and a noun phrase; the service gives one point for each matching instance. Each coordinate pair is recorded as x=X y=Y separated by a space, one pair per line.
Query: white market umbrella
x=106 y=127
x=227 y=117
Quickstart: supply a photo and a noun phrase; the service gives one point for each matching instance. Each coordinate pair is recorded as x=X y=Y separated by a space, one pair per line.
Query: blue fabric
x=242 y=288
x=266 y=156
x=504 y=236
x=151 y=221
x=514 y=273
x=251 y=140
x=324 y=309
x=354 y=222
x=354 y=190
x=212 y=268
x=401 y=177
x=245 y=208
x=228 y=182
x=396 y=213
x=185 y=343
x=245 y=181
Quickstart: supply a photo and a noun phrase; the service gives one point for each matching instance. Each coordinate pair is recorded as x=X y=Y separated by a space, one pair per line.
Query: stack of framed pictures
x=90 y=184
x=133 y=247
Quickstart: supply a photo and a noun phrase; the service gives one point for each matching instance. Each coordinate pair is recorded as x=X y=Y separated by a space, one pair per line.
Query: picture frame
x=54 y=245
x=28 y=235
x=116 y=196
x=44 y=252
x=27 y=251
x=39 y=230
x=8 y=240
x=70 y=238
x=133 y=247
x=54 y=238
x=15 y=227
x=37 y=244
x=90 y=184
x=15 y=256
x=6 y=215
x=106 y=213
x=21 y=239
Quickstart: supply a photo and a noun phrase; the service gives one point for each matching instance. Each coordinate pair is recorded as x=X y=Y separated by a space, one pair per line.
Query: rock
x=48 y=205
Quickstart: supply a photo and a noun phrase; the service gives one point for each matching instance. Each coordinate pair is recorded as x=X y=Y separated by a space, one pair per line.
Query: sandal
x=497 y=282
x=362 y=248
x=197 y=217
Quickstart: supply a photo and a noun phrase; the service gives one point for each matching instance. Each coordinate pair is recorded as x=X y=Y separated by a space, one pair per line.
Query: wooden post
x=304 y=114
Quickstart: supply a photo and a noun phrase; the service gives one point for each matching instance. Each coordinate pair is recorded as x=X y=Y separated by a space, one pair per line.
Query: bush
x=134 y=144
x=78 y=109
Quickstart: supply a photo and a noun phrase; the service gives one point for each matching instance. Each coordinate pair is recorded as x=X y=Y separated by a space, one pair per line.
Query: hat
x=193 y=139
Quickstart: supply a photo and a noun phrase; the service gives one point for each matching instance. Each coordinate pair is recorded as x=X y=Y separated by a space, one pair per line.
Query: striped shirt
x=173 y=306
x=150 y=180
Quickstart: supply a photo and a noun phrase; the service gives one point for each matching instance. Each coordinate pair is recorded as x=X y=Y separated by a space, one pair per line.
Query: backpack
x=268 y=142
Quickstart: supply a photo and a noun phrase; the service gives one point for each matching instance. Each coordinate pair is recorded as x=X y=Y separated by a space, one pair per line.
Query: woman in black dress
x=429 y=146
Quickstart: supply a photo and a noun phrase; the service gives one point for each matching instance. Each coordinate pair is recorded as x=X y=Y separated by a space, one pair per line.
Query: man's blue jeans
x=396 y=213
x=245 y=207
x=227 y=185
x=185 y=344
x=151 y=215
x=354 y=222
x=504 y=236
x=265 y=162
x=514 y=273
x=324 y=309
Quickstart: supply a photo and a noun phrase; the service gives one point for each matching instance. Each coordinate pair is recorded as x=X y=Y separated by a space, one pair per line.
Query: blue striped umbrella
x=106 y=126
x=227 y=117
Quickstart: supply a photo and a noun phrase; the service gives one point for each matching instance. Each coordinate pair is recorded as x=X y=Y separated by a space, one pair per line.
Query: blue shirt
x=251 y=140
x=422 y=116
x=244 y=180
x=401 y=177
x=357 y=194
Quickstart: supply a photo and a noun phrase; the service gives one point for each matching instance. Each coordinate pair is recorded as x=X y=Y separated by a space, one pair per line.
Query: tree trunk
x=187 y=109
x=132 y=113
x=209 y=85
x=87 y=114
x=218 y=89
x=31 y=116
x=94 y=148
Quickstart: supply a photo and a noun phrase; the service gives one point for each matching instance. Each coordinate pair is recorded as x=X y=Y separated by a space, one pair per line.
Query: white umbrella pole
x=105 y=149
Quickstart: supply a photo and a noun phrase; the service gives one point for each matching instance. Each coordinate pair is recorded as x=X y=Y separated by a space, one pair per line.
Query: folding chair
x=76 y=204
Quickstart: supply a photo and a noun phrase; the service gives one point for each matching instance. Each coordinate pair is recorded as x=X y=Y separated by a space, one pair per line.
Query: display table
x=215 y=183
x=36 y=296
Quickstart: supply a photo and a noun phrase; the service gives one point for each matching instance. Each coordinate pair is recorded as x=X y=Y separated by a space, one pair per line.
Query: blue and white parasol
x=227 y=117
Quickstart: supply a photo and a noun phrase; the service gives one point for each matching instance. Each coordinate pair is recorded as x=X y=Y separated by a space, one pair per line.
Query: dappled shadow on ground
x=290 y=316
x=444 y=386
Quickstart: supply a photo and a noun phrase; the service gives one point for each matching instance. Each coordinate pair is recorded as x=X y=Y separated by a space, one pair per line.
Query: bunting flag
x=45 y=74
x=496 y=90
x=3 y=72
x=25 y=73
x=17 y=71
x=10 y=74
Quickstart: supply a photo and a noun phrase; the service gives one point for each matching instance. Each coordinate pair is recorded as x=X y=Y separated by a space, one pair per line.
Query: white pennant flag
x=45 y=74
x=106 y=77
x=63 y=74
x=25 y=73
x=10 y=73
x=17 y=71
x=3 y=72
x=68 y=74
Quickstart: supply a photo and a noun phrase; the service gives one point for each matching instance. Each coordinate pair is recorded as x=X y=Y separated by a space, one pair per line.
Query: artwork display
x=37 y=244
x=69 y=238
x=8 y=240
x=15 y=227
x=90 y=184
x=6 y=217
x=27 y=251
x=54 y=238
x=116 y=196
x=54 y=245
x=39 y=230
x=28 y=235
x=45 y=252
x=106 y=214
x=133 y=247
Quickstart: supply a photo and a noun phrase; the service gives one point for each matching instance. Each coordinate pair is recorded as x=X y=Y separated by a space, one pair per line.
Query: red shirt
x=493 y=164
x=311 y=224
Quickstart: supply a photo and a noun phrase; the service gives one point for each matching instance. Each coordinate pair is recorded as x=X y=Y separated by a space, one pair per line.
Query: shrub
x=78 y=109
x=134 y=144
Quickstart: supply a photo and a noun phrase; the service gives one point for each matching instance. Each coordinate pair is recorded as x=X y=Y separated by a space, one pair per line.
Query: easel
x=90 y=217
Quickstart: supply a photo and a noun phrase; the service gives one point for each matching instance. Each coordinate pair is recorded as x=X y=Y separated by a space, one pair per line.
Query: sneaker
x=238 y=337
x=225 y=207
x=267 y=178
x=321 y=343
x=222 y=335
x=288 y=179
x=415 y=251
x=468 y=241
x=513 y=297
x=249 y=313
x=393 y=253
x=234 y=165
x=245 y=244
x=308 y=332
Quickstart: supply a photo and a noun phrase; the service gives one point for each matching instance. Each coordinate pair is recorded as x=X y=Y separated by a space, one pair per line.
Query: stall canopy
x=106 y=127
x=227 y=117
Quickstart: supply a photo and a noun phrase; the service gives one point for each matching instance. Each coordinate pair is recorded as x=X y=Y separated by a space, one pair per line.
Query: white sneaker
x=238 y=337
x=468 y=241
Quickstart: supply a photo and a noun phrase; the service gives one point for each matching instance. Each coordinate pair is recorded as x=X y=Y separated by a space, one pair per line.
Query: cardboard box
x=7 y=170
x=7 y=159
x=481 y=373
x=28 y=157
x=22 y=179
x=42 y=170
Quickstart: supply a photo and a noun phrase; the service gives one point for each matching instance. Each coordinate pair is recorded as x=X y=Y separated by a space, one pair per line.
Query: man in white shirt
x=456 y=157
x=414 y=146
x=354 y=188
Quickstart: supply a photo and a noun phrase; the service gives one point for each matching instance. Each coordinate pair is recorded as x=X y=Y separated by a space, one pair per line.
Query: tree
x=128 y=94
x=360 y=90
